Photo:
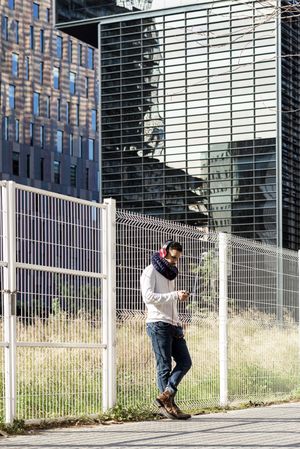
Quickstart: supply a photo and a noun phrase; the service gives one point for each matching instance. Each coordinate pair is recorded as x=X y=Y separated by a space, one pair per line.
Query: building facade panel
x=290 y=116
x=189 y=116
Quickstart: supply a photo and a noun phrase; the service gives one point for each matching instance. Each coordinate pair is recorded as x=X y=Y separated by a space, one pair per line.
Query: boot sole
x=184 y=418
x=163 y=411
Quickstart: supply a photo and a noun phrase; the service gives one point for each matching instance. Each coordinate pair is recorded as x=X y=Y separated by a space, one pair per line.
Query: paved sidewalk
x=264 y=428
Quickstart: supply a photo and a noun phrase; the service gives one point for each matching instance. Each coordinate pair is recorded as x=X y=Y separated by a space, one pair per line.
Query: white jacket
x=159 y=296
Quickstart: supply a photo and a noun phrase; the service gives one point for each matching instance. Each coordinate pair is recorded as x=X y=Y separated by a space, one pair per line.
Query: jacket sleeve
x=149 y=297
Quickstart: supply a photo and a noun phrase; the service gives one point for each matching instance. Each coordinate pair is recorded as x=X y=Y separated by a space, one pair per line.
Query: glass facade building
x=290 y=121
x=189 y=116
x=199 y=116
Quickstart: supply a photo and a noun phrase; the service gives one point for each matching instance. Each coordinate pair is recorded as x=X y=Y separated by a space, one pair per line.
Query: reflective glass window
x=72 y=83
x=15 y=64
x=5 y=27
x=36 y=103
x=56 y=77
x=35 y=10
x=11 y=96
x=59 y=47
x=59 y=141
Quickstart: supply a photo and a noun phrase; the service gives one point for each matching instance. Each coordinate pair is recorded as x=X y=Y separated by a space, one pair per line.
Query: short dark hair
x=175 y=245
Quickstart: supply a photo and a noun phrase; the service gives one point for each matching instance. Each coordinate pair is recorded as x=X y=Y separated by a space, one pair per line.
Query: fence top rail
x=154 y=223
x=58 y=196
x=148 y=222
x=262 y=247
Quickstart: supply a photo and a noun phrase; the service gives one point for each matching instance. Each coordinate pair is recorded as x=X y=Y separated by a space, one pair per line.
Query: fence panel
x=137 y=238
x=263 y=322
x=59 y=305
x=57 y=340
x=260 y=329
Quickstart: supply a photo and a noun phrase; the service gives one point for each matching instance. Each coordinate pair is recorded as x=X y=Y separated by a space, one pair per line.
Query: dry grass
x=263 y=364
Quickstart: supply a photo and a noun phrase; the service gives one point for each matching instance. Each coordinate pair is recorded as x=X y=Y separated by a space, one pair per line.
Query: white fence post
x=9 y=296
x=223 y=340
x=109 y=304
x=279 y=286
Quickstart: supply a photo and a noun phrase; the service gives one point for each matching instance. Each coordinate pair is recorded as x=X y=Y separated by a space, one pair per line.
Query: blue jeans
x=167 y=342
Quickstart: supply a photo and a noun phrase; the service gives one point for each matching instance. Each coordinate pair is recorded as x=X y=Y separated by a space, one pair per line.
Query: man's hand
x=183 y=295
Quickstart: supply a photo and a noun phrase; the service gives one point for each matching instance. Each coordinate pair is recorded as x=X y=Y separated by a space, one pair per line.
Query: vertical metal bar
x=13 y=288
x=104 y=222
x=99 y=115
x=279 y=286
x=109 y=304
x=54 y=12
x=279 y=125
x=6 y=314
x=223 y=319
x=279 y=230
x=9 y=286
x=111 y=274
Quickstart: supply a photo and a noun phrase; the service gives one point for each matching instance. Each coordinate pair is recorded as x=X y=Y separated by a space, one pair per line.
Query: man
x=163 y=327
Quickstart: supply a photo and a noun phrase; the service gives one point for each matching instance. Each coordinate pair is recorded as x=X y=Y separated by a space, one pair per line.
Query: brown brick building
x=48 y=103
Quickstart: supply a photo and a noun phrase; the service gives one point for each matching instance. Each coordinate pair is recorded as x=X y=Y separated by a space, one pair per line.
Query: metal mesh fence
x=58 y=381
x=262 y=317
x=57 y=231
x=263 y=322
x=58 y=334
x=58 y=306
x=137 y=238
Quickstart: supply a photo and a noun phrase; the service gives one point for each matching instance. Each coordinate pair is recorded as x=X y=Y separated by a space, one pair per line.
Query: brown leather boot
x=177 y=412
x=165 y=404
